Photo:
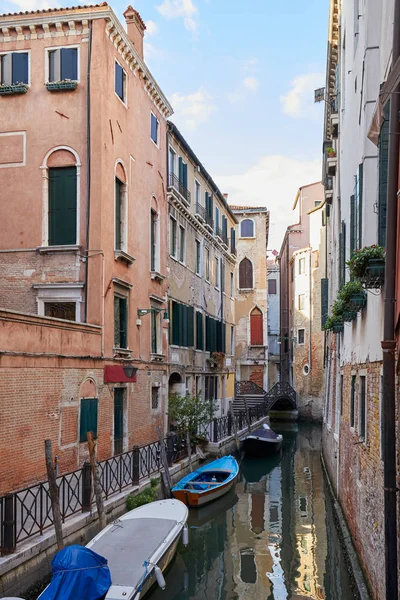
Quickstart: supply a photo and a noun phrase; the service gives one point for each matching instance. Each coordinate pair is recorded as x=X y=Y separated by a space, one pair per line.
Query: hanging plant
x=365 y=258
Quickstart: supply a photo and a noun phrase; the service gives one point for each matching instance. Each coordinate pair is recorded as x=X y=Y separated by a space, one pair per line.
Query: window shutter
x=175 y=323
x=256 y=328
x=324 y=301
x=190 y=326
x=116 y=321
x=184 y=175
x=207 y=333
x=224 y=338
x=19 y=67
x=69 y=63
x=360 y=204
x=211 y=197
x=88 y=418
x=154 y=128
x=180 y=169
x=216 y=218
x=123 y=323
x=352 y=226
x=118 y=186
x=6 y=69
x=342 y=255
x=62 y=206
x=383 y=176
x=233 y=240
x=54 y=65
x=245 y=274
x=199 y=331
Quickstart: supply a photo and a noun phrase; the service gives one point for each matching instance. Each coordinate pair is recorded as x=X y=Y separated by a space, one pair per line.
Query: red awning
x=116 y=374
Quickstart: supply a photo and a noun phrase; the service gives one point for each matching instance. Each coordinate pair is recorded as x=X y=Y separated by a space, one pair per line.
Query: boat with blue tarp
x=207 y=483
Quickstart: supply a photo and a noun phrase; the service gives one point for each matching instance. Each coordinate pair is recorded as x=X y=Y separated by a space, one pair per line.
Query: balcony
x=180 y=190
x=222 y=235
x=210 y=222
x=200 y=212
x=328 y=185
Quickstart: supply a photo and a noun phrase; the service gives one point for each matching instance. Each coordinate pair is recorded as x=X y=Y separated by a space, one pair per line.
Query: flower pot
x=16 y=88
x=376 y=267
x=338 y=328
x=358 y=301
x=349 y=315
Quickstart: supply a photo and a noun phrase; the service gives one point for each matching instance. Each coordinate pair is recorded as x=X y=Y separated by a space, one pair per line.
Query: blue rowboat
x=207 y=483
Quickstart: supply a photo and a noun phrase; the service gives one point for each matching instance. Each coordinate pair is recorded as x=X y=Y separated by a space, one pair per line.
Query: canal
x=273 y=538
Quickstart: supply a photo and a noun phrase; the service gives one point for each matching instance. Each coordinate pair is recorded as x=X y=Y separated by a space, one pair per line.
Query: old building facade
x=302 y=266
x=83 y=177
x=273 y=303
x=202 y=287
x=251 y=306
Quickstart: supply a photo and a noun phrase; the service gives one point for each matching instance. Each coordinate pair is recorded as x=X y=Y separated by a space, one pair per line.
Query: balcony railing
x=221 y=234
x=328 y=184
x=176 y=183
x=200 y=211
x=209 y=221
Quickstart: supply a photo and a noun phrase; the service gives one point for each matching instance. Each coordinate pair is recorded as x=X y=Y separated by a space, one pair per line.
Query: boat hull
x=163 y=563
x=259 y=447
x=193 y=499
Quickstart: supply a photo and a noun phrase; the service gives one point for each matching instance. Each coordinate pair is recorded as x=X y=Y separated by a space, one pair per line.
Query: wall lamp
x=145 y=311
x=129 y=371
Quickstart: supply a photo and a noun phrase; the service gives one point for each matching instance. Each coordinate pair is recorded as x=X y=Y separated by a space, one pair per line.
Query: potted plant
x=14 y=88
x=331 y=152
x=368 y=263
x=334 y=323
x=353 y=295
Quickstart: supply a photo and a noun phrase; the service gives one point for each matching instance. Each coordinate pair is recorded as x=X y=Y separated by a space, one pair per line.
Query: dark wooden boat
x=262 y=441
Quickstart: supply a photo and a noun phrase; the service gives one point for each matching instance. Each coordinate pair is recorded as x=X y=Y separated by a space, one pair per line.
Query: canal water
x=272 y=538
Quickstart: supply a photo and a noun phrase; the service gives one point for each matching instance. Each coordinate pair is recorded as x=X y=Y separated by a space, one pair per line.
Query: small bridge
x=281 y=396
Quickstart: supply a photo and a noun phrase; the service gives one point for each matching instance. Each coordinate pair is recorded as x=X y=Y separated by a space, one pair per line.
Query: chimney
x=225 y=196
x=136 y=28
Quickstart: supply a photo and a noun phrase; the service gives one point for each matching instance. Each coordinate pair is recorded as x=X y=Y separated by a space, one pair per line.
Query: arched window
x=246 y=274
x=61 y=187
x=154 y=236
x=256 y=327
x=247 y=228
x=121 y=208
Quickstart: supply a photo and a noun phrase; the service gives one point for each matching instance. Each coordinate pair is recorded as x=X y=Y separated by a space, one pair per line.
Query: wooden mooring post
x=165 y=474
x=53 y=491
x=98 y=492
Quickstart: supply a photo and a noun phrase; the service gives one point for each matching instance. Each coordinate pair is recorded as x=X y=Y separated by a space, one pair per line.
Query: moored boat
x=207 y=483
x=136 y=549
x=262 y=441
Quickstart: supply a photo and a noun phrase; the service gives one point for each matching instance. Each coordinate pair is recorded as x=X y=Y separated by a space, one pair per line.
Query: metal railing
x=177 y=184
x=222 y=234
x=201 y=211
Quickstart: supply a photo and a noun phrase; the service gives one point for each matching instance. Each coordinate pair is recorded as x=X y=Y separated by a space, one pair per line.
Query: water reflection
x=271 y=538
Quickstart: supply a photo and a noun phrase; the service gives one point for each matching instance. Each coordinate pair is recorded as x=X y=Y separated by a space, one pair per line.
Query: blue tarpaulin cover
x=78 y=574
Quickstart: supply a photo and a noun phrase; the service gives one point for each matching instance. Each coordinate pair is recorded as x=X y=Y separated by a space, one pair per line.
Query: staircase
x=248 y=392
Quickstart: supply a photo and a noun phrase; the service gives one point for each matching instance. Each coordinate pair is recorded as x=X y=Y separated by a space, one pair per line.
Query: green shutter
x=352 y=226
x=324 y=301
x=62 y=206
x=199 y=331
x=383 y=176
x=118 y=197
x=190 y=326
x=88 y=418
x=224 y=338
x=180 y=169
x=175 y=323
x=360 y=203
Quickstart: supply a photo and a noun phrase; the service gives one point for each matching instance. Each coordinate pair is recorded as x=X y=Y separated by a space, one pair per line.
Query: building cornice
x=12 y=29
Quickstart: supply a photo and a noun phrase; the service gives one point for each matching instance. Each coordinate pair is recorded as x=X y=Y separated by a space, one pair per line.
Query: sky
x=240 y=75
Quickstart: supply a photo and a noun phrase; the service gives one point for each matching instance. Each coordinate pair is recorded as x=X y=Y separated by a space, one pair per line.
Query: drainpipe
x=388 y=343
x=88 y=166
x=310 y=310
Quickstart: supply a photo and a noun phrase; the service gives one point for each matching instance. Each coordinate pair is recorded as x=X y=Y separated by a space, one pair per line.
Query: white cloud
x=184 y=9
x=151 y=28
x=27 y=5
x=193 y=109
x=299 y=101
x=272 y=182
x=251 y=83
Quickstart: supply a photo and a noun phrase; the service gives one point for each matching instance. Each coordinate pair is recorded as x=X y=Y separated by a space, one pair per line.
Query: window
x=62 y=206
x=118 y=214
x=272 y=286
x=198 y=257
x=317 y=203
x=247 y=228
x=154 y=127
x=182 y=326
x=197 y=192
x=292 y=271
x=88 y=418
x=153 y=240
x=215 y=335
x=302 y=301
x=341 y=394
x=217 y=275
x=172 y=161
x=216 y=224
x=352 y=400
x=120 y=82
x=232 y=340
x=300 y=336
x=383 y=146
x=120 y=322
x=155 y=392
x=302 y=266
x=14 y=68
x=155 y=331
x=60 y=310
x=256 y=327
x=232 y=285
x=172 y=240
x=246 y=274
x=182 y=244
x=63 y=64
x=225 y=229
x=207 y=263
x=210 y=387
x=182 y=175
x=233 y=240
x=222 y=273
x=356 y=202
x=362 y=425
x=199 y=331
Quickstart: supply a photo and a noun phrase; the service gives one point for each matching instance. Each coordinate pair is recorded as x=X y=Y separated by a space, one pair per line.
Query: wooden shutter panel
x=324 y=301
x=207 y=334
x=88 y=418
x=383 y=176
x=62 y=206
x=199 y=331
x=184 y=175
x=180 y=169
x=360 y=204
x=69 y=63
x=118 y=196
x=224 y=338
x=54 y=65
x=352 y=226
x=245 y=274
x=256 y=327
x=190 y=325
x=19 y=67
x=175 y=323
x=233 y=240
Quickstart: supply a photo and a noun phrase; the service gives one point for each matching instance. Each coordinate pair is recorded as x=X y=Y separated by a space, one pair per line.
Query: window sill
x=124 y=257
x=157 y=276
x=61 y=86
x=8 y=90
x=73 y=249
x=156 y=357
x=245 y=290
x=123 y=352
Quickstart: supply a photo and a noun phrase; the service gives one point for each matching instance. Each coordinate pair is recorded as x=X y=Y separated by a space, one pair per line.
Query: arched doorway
x=176 y=384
